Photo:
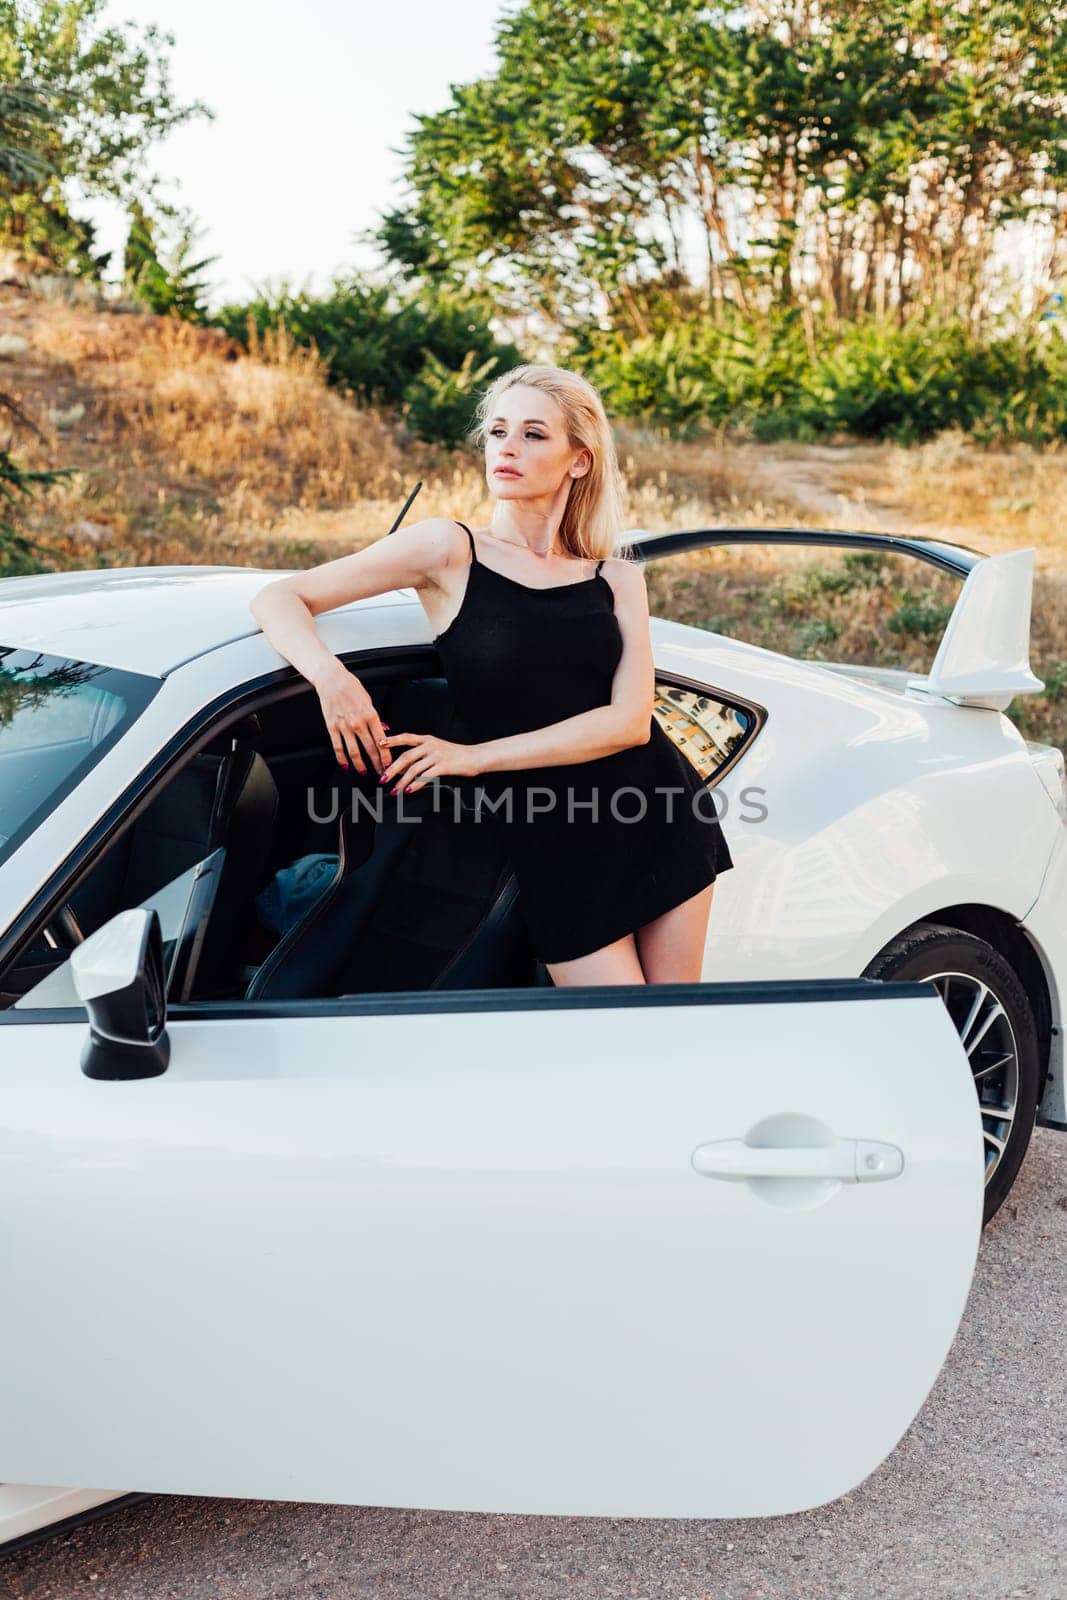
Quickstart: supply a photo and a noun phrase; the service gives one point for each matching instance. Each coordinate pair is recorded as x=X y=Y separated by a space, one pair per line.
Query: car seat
x=432 y=903
x=220 y=797
x=243 y=822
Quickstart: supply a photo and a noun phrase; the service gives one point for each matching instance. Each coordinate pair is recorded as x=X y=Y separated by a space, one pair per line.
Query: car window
x=172 y=902
x=820 y=603
x=158 y=861
x=708 y=731
x=57 y=718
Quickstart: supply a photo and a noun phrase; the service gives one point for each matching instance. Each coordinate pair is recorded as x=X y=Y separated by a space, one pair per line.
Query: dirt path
x=845 y=484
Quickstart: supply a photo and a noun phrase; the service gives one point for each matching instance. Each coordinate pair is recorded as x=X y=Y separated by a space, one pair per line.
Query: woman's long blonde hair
x=592 y=516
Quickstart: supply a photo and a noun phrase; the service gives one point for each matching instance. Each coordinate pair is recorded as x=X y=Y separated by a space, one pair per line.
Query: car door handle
x=848 y=1160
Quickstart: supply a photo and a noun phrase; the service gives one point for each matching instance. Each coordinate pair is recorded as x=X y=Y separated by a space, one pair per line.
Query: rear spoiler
x=984 y=655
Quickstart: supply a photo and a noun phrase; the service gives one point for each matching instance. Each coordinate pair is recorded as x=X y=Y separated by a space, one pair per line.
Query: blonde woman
x=543 y=633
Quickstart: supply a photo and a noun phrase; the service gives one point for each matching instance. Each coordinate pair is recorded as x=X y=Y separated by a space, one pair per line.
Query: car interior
x=280 y=875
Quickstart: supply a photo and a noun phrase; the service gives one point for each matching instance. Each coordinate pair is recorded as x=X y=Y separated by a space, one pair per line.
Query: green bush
x=814 y=634
x=439 y=403
x=426 y=355
x=917 y=617
x=870 y=378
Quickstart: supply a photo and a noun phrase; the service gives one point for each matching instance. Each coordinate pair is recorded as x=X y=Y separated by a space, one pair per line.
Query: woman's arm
x=286 y=608
x=625 y=721
x=286 y=611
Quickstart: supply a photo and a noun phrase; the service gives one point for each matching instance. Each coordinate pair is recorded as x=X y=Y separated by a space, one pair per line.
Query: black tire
x=932 y=950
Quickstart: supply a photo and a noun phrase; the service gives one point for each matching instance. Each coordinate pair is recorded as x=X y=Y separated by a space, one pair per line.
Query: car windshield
x=57 y=718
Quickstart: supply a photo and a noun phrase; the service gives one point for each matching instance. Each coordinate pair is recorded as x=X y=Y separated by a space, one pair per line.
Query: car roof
x=139 y=619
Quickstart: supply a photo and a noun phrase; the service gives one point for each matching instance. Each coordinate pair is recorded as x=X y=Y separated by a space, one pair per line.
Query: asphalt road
x=972 y=1504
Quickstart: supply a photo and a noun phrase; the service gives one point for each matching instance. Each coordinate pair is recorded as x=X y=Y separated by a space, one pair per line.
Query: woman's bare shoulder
x=626 y=575
x=442 y=542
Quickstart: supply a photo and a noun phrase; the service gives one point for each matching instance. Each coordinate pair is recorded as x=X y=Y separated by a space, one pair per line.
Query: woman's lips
x=506 y=472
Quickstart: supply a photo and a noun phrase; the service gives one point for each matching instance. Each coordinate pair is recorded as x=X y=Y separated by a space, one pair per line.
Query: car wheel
x=989 y=1006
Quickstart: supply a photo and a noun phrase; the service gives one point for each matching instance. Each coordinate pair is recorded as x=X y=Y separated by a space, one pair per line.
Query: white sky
x=309 y=98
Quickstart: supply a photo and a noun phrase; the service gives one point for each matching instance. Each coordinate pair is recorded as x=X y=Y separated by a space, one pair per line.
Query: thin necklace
x=542 y=555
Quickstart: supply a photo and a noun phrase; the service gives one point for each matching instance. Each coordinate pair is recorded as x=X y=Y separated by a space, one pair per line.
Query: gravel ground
x=972 y=1504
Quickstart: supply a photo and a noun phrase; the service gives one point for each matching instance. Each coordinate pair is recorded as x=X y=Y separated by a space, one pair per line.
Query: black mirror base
x=113 y=1059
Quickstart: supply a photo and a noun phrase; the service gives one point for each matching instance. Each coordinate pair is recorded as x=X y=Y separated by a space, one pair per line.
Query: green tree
x=24 y=118
x=95 y=99
x=18 y=554
x=167 y=279
x=25 y=115
x=534 y=183
x=849 y=158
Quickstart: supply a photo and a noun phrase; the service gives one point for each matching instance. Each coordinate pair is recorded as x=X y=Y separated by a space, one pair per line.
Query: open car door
x=984 y=655
x=680 y=1250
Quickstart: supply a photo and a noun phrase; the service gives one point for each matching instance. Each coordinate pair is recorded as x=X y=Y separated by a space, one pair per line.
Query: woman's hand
x=350 y=717
x=428 y=758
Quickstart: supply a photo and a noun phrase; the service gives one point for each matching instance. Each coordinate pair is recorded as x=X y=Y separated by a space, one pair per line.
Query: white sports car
x=316 y=1188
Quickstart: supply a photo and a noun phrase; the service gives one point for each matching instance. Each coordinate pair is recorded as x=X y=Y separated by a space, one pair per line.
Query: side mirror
x=118 y=973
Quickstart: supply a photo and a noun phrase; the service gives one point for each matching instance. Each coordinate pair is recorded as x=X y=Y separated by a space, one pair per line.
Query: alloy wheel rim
x=987 y=1035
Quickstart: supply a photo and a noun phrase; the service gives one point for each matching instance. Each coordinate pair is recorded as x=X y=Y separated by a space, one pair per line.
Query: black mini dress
x=599 y=847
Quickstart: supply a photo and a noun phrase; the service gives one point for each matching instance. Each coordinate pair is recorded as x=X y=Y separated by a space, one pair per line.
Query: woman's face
x=527 y=454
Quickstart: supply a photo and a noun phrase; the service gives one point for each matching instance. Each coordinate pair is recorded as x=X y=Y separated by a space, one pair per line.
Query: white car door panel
x=697 y=1251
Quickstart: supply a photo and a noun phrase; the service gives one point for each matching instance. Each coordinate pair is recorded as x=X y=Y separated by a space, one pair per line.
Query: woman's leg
x=671 y=947
x=614 y=963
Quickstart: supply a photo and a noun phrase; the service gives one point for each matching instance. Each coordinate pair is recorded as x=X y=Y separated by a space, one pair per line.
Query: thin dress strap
x=470 y=536
x=599 y=564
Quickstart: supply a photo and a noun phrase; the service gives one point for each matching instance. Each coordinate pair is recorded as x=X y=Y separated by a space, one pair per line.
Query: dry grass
x=185 y=448
x=821 y=604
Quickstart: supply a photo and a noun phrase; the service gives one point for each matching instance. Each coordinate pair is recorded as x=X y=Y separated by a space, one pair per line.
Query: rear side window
x=58 y=717
x=708 y=731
